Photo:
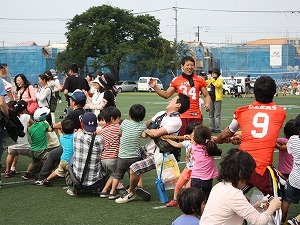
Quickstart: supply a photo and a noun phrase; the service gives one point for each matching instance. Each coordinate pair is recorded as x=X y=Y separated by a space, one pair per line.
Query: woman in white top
x=96 y=99
x=55 y=88
x=43 y=95
x=226 y=204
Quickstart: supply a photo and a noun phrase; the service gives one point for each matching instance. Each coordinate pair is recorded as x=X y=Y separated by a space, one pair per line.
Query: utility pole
x=198 y=34
x=175 y=41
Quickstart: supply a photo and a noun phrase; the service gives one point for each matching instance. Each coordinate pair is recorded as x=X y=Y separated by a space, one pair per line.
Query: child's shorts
x=62 y=168
x=38 y=156
x=15 y=151
x=292 y=195
x=123 y=166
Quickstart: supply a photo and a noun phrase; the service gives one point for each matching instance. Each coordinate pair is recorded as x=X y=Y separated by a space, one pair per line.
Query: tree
x=112 y=37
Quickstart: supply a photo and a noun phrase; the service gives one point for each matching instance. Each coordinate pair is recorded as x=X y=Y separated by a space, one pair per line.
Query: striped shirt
x=130 y=139
x=110 y=135
x=293 y=148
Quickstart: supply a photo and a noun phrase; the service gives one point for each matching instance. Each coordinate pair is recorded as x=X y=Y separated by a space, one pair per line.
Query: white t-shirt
x=22 y=142
x=7 y=88
x=171 y=124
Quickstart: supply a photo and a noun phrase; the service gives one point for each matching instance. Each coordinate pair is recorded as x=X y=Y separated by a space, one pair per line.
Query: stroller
x=238 y=91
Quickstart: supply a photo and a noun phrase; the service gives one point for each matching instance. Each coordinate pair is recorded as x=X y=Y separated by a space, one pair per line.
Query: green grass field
x=24 y=203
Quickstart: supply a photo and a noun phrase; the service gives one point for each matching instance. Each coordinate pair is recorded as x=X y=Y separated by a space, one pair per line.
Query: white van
x=143 y=84
x=240 y=81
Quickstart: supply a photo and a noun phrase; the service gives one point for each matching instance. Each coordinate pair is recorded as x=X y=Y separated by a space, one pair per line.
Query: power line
x=36 y=19
x=244 y=11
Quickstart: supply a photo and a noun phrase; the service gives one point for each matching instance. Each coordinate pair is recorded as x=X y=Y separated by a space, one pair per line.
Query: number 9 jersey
x=260 y=124
x=183 y=86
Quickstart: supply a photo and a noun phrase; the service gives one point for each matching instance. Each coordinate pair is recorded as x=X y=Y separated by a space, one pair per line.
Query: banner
x=275 y=56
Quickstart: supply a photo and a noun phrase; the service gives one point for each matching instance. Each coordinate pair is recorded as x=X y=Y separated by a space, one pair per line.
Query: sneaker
x=13 y=172
x=27 y=176
x=113 y=196
x=47 y=183
x=172 y=203
x=293 y=221
x=71 y=192
x=126 y=197
x=145 y=195
x=7 y=174
x=104 y=194
x=39 y=182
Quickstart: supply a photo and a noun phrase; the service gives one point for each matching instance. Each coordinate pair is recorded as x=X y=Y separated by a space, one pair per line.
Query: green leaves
x=115 y=37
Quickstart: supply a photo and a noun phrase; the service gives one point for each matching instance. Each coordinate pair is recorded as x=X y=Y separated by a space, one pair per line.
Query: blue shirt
x=66 y=141
x=186 y=220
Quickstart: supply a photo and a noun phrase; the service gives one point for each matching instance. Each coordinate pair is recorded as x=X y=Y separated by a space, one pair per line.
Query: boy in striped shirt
x=129 y=152
x=111 y=138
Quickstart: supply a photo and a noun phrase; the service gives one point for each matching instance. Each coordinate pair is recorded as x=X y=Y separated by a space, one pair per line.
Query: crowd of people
x=94 y=148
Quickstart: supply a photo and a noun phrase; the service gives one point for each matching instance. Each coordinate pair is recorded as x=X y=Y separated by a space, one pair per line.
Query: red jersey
x=260 y=124
x=182 y=85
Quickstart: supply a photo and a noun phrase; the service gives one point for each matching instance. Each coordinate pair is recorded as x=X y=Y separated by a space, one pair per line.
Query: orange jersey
x=260 y=124
x=182 y=85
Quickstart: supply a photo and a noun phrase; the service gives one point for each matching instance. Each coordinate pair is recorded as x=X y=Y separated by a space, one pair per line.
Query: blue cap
x=78 y=96
x=89 y=121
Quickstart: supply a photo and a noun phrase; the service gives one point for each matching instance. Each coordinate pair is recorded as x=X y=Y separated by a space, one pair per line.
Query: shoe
x=27 y=176
x=293 y=221
x=13 y=172
x=126 y=197
x=172 y=203
x=7 y=174
x=120 y=186
x=71 y=192
x=113 y=196
x=39 y=182
x=47 y=183
x=104 y=194
x=145 y=195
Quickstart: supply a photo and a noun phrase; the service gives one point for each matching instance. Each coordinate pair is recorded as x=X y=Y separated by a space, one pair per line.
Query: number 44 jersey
x=260 y=124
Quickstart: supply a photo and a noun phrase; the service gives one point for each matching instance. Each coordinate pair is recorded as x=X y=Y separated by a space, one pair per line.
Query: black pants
x=204 y=185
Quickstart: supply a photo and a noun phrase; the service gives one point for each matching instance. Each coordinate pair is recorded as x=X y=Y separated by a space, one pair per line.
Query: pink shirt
x=204 y=166
x=285 y=160
x=228 y=205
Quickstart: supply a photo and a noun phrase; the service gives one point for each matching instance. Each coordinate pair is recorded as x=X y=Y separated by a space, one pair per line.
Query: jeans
x=215 y=115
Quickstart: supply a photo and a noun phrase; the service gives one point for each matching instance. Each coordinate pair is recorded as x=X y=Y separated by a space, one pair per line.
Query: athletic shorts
x=185 y=123
x=38 y=156
x=263 y=183
x=144 y=165
x=292 y=195
x=123 y=166
x=14 y=151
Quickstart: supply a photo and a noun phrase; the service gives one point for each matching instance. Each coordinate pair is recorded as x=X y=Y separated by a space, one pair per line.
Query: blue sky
x=41 y=21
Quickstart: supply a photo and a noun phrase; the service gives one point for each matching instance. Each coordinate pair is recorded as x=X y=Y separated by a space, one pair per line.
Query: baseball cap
x=21 y=105
x=297 y=123
x=41 y=113
x=89 y=121
x=78 y=96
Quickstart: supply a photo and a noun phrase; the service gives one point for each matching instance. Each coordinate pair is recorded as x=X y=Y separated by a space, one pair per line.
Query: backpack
x=163 y=145
x=53 y=102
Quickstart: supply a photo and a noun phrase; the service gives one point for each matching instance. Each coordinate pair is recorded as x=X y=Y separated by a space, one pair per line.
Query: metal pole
x=198 y=33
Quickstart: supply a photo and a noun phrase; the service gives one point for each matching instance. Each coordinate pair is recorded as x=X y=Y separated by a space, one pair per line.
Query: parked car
x=240 y=81
x=127 y=85
x=143 y=84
